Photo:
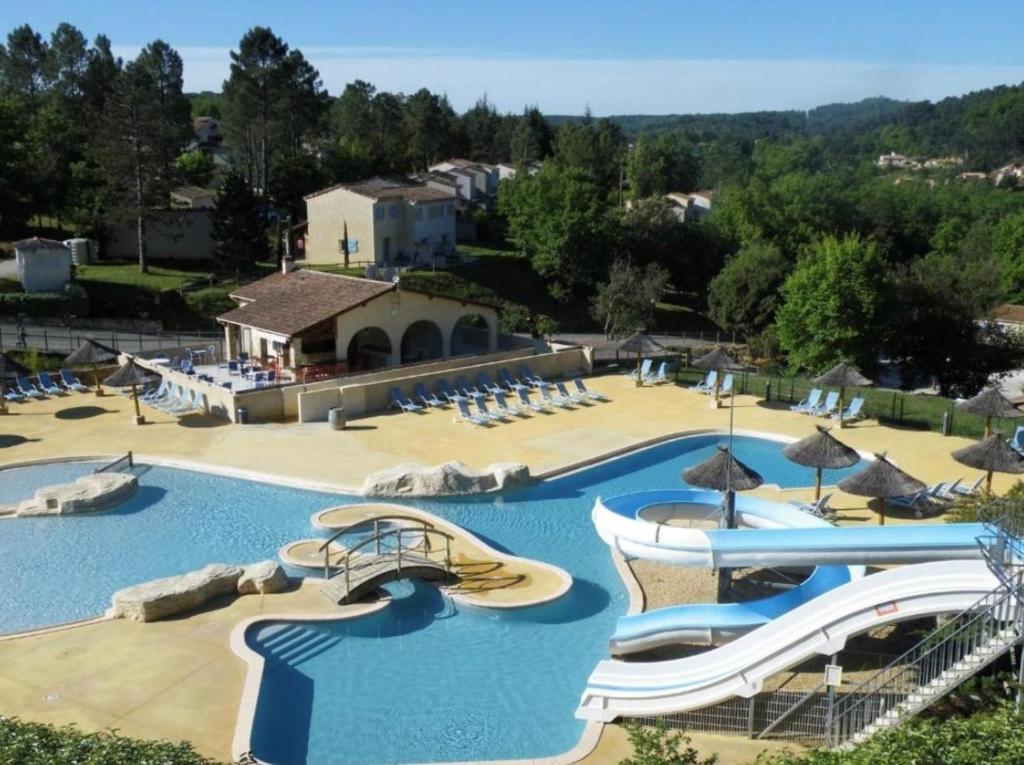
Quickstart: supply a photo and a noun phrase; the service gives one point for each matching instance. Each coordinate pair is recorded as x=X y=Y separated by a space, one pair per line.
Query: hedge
x=72 y=300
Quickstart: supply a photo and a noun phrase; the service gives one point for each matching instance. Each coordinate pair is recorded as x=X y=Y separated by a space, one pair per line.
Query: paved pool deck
x=178 y=679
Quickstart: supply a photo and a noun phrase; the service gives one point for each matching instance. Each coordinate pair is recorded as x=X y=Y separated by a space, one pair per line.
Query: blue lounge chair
x=528 y=377
x=504 y=405
x=484 y=381
x=171 y=396
x=481 y=408
x=12 y=395
x=726 y=389
x=708 y=383
x=545 y=393
x=576 y=398
x=184 y=402
x=428 y=398
x=593 y=395
x=645 y=369
x=157 y=394
x=524 y=400
x=827 y=408
x=508 y=380
x=819 y=509
x=398 y=399
x=970 y=491
x=49 y=386
x=658 y=377
x=71 y=382
x=465 y=387
x=852 y=413
x=467 y=416
x=809 y=403
x=26 y=388
x=446 y=391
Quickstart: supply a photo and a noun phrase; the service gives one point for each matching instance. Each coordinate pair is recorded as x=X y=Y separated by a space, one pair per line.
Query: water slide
x=641 y=525
x=773 y=633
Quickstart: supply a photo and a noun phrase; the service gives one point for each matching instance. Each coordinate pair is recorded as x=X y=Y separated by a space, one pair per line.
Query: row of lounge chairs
x=813 y=405
x=930 y=501
x=44 y=386
x=173 y=398
x=707 y=385
x=511 y=398
x=646 y=376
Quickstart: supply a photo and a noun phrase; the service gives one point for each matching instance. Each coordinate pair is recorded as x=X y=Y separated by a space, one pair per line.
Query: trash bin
x=336 y=417
x=242 y=415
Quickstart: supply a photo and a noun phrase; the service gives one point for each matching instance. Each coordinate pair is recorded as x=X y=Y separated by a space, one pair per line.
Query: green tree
x=206 y=104
x=658 y=165
x=1008 y=248
x=657 y=746
x=744 y=295
x=196 y=167
x=834 y=305
x=594 y=147
x=481 y=125
x=428 y=120
x=626 y=302
x=531 y=138
x=239 y=227
x=24 y=64
x=15 y=168
x=559 y=220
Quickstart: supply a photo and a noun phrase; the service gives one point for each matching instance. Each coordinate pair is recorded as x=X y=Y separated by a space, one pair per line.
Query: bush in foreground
x=27 y=743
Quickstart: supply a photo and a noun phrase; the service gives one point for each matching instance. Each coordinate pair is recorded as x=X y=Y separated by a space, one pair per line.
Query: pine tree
x=239 y=227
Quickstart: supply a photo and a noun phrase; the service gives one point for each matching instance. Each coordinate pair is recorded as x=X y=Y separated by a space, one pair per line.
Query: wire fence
x=64 y=340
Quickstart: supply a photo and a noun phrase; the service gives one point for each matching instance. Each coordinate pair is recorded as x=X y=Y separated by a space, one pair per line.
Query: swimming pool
x=423 y=679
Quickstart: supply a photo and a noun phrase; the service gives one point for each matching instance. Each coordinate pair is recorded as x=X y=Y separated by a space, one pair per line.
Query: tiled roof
x=287 y=304
x=1010 y=313
x=194 y=192
x=35 y=243
x=390 y=188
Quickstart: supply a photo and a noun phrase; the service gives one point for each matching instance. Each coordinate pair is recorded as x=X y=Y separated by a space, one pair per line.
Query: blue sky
x=649 y=56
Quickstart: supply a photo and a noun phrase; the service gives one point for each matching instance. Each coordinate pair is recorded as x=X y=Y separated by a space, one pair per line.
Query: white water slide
x=815 y=617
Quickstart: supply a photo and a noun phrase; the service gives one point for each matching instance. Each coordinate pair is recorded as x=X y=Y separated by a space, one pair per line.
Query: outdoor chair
x=708 y=383
x=853 y=412
x=26 y=388
x=484 y=380
x=545 y=393
x=446 y=390
x=71 y=382
x=809 y=403
x=524 y=399
x=970 y=491
x=465 y=387
x=727 y=383
x=508 y=380
x=49 y=386
x=528 y=377
x=658 y=377
x=576 y=398
x=593 y=395
x=645 y=370
x=503 y=404
x=12 y=395
x=157 y=394
x=827 y=408
x=428 y=398
x=819 y=508
x=483 y=411
x=466 y=415
x=398 y=399
x=234 y=367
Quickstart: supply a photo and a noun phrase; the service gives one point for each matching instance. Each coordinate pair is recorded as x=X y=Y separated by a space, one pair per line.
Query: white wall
x=43 y=270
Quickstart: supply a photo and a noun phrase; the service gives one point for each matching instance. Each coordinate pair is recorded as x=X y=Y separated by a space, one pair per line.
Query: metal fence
x=64 y=340
x=121 y=465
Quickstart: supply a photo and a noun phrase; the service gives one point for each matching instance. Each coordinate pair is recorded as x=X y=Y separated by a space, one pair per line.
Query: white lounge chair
x=576 y=398
x=593 y=395
x=504 y=405
x=481 y=409
x=398 y=399
x=428 y=398
x=645 y=369
x=545 y=393
x=708 y=383
x=524 y=399
x=819 y=509
x=465 y=415
x=659 y=376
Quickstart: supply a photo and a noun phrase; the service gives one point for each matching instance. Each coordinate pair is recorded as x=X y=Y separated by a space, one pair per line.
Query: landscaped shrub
x=72 y=300
x=25 y=743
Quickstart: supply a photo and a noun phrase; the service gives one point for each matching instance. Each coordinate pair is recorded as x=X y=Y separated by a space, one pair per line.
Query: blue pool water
x=21 y=483
x=423 y=680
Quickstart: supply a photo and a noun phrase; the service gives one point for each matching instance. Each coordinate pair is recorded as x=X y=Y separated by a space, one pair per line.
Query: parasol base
x=100 y=393
x=717 y=403
x=140 y=419
x=639 y=383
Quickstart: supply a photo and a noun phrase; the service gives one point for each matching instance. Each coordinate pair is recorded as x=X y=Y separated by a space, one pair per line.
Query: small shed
x=44 y=265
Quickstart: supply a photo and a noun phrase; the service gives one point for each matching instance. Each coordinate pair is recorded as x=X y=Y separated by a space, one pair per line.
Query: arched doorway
x=422 y=341
x=369 y=348
x=471 y=335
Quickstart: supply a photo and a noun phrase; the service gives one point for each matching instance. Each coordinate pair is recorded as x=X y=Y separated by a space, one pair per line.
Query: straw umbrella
x=988 y=404
x=840 y=376
x=640 y=344
x=90 y=353
x=993 y=455
x=881 y=480
x=821 y=450
x=717 y=359
x=130 y=375
x=723 y=472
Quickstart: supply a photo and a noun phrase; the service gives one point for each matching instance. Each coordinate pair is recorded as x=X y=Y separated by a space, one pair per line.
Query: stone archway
x=470 y=335
x=369 y=348
x=422 y=341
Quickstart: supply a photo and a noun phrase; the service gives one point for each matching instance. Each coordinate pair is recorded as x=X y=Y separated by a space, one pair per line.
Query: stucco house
x=44 y=265
x=389 y=221
x=298 y=317
x=477 y=181
x=193 y=198
x=693 y=206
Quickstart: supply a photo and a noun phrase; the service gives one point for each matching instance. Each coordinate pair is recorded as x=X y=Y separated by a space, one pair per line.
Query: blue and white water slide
x=773 y=633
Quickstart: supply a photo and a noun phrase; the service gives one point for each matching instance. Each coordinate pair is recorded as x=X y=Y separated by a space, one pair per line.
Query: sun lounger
x=468 y=416
x=1017 y=441
x=970 y=491
x=428 y=398
x=545 y=393
x=185 y=402
x=727 y=383
x=809 y=403
x=708 y=383
x=398 y=399
x=446 y=390
x=156 y=394
x=658 y=377
x=26 y=388
x=576 y=398
x=819 y=509
x=508 y=380
x=504 y=405
x=12 y=395
x=465 y=387
x=71 y=382
x=49 y=386
x=528 y=377
x=524 y=399
x=828 y=407
x=481 y=408
x=853 y=412
x=484 y=381
x=593 y=395
x=645 y=369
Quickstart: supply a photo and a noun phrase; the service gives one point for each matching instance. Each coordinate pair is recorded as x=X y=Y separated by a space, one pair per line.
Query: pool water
x=21 y=483
x=424 y=679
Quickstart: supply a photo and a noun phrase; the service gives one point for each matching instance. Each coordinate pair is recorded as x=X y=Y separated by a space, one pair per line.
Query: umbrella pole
x=139 y=419
x=881 y=518
x=988 y=427
x=729 y=521
x=817 y=484
x=96 y=381
x=842 y=422
x=988 y=482
x=639 y=380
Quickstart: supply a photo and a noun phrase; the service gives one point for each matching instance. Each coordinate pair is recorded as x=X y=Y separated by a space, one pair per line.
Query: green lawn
x=159 y=278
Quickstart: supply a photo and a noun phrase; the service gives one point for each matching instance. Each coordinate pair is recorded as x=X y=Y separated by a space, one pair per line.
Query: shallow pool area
x=421 y=680
x=21 y=483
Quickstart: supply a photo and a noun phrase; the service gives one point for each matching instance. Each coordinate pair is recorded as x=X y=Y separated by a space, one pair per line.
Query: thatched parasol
x=130 y=375
x=881 y=480
x=988 y=404
x=821 y=450
x=840 y=376
x=993 y=455
x=89 y=354
x=640 y=344
x=717 y=359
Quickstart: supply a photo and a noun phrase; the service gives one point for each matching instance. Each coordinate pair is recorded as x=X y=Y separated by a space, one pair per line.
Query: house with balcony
x=381 y=221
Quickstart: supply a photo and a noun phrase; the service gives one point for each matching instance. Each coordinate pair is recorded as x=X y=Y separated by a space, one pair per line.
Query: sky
x=625 y=57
